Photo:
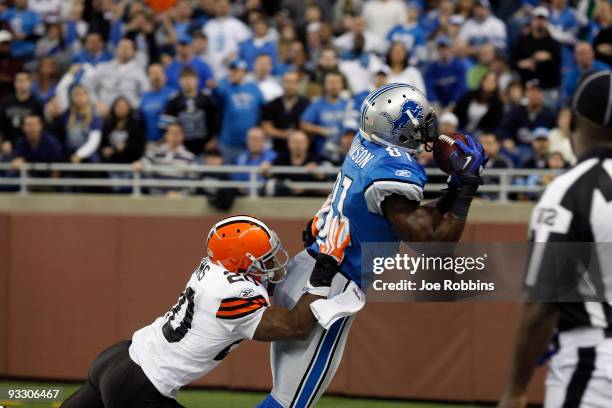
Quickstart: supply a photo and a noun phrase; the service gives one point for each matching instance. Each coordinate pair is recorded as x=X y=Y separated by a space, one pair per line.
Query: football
x=444 y=147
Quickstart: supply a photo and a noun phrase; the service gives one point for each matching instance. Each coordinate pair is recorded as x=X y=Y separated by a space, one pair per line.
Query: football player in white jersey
x=225 y=301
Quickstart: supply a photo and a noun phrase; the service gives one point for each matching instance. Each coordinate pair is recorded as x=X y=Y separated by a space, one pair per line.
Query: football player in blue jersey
x=376 y=198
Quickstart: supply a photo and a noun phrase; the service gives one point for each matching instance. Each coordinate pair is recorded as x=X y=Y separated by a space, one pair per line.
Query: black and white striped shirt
x=565 y=266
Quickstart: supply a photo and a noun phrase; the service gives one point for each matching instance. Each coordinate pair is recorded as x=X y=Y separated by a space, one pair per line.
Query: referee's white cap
x=593 y=98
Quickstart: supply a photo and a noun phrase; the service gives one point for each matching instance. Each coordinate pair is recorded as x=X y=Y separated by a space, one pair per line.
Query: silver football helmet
x=399 y=115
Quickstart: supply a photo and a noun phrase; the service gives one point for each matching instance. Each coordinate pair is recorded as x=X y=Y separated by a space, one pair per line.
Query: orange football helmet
x=244 y=244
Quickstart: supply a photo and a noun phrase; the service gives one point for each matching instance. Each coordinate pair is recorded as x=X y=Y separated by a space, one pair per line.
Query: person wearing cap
x=483 y=28
x=516 y=125
x=241 y=102
x=185 y=58
x=562 y=318
x=445 y=79
x=536 y=55
x=540 y=145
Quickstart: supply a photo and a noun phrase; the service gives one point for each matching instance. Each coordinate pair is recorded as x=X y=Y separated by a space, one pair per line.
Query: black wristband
x=324 y=271
x=446 y=199
x=461 y=204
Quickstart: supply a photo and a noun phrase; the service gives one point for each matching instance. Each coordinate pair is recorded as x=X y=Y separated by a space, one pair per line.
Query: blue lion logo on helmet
x=403 y=120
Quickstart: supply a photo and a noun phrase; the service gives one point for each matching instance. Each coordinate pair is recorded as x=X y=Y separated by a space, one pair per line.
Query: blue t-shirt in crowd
x=328 y=114
x=173 y=72
x=410 y=36
x=252 y=48
x=445 y=81
x=566 y=21
x=248 y=159
x=24 y=22
x=152 y=105
x=85 y=57
x=572 y=78
x=241 y=105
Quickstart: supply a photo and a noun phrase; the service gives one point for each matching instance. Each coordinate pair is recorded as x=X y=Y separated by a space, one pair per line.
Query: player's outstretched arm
x=443 y=220
x=416 y=223
x=279 y=323
x=537 y=322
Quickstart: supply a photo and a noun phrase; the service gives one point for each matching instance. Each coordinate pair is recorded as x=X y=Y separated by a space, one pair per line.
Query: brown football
x=443 y=149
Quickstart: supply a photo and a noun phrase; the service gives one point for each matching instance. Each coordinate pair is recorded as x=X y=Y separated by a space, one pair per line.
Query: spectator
x=14 y=109
x=259 y=44
x=9 y=66
x=43 y=87
x=170 y=153
x=538 y=56
x=603 y=45
x=26 y=26
x=323 y=119
x=153 y=103
x=195 y=111
x=185 y=58
x=410 y=34
x=517 y=125
x=371 y=42
x=448 y=123
x=76 y=123
x=480 y=109
x=123 y=139
x=382 y=15
x=445 y=78
x=585 y=64
x=401 y=71
x=540 y=147
x=238 y=99
x=512 y=96
x=257 y=153
x=298 y=155
x=559 y=137
x=262 y=75
x=327 y=62
x=52 y=44
x=94 y=51
x=483 y=28
x=351 y=120
x=486 y=57
x=357 y=66
x=282 y=115
x=120 y=77
x=224 y=34
x=497 y=160
x=35 y=146
x=564 y=26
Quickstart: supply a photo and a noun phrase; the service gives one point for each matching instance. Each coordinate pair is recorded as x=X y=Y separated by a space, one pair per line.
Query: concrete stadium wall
x=73 y=283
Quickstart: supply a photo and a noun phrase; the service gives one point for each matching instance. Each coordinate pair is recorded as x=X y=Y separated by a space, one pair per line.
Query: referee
x=569 y=281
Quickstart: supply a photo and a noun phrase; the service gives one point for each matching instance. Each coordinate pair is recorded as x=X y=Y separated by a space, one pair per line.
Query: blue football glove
x=467 y=164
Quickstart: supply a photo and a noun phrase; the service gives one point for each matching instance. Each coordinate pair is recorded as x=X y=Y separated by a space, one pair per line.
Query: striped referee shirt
x=574 y=212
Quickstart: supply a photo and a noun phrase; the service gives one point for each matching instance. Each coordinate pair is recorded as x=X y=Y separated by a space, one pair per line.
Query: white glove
x=347 y=303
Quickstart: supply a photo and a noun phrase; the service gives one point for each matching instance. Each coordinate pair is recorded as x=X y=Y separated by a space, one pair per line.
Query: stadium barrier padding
x=71 y=285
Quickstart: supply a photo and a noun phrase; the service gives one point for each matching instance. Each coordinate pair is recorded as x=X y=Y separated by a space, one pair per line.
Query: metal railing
x=146 y=178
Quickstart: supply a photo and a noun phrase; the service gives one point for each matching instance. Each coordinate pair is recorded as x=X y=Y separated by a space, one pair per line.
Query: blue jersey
x=152 y=105
x=353 y=214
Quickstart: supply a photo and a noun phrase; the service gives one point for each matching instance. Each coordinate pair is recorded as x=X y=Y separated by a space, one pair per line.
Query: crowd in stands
x=264 y=83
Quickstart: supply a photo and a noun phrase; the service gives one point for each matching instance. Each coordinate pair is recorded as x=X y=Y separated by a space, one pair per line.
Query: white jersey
x=217 y=310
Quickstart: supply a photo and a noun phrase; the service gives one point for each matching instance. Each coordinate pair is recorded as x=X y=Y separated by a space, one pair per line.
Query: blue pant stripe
x=311 y=384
